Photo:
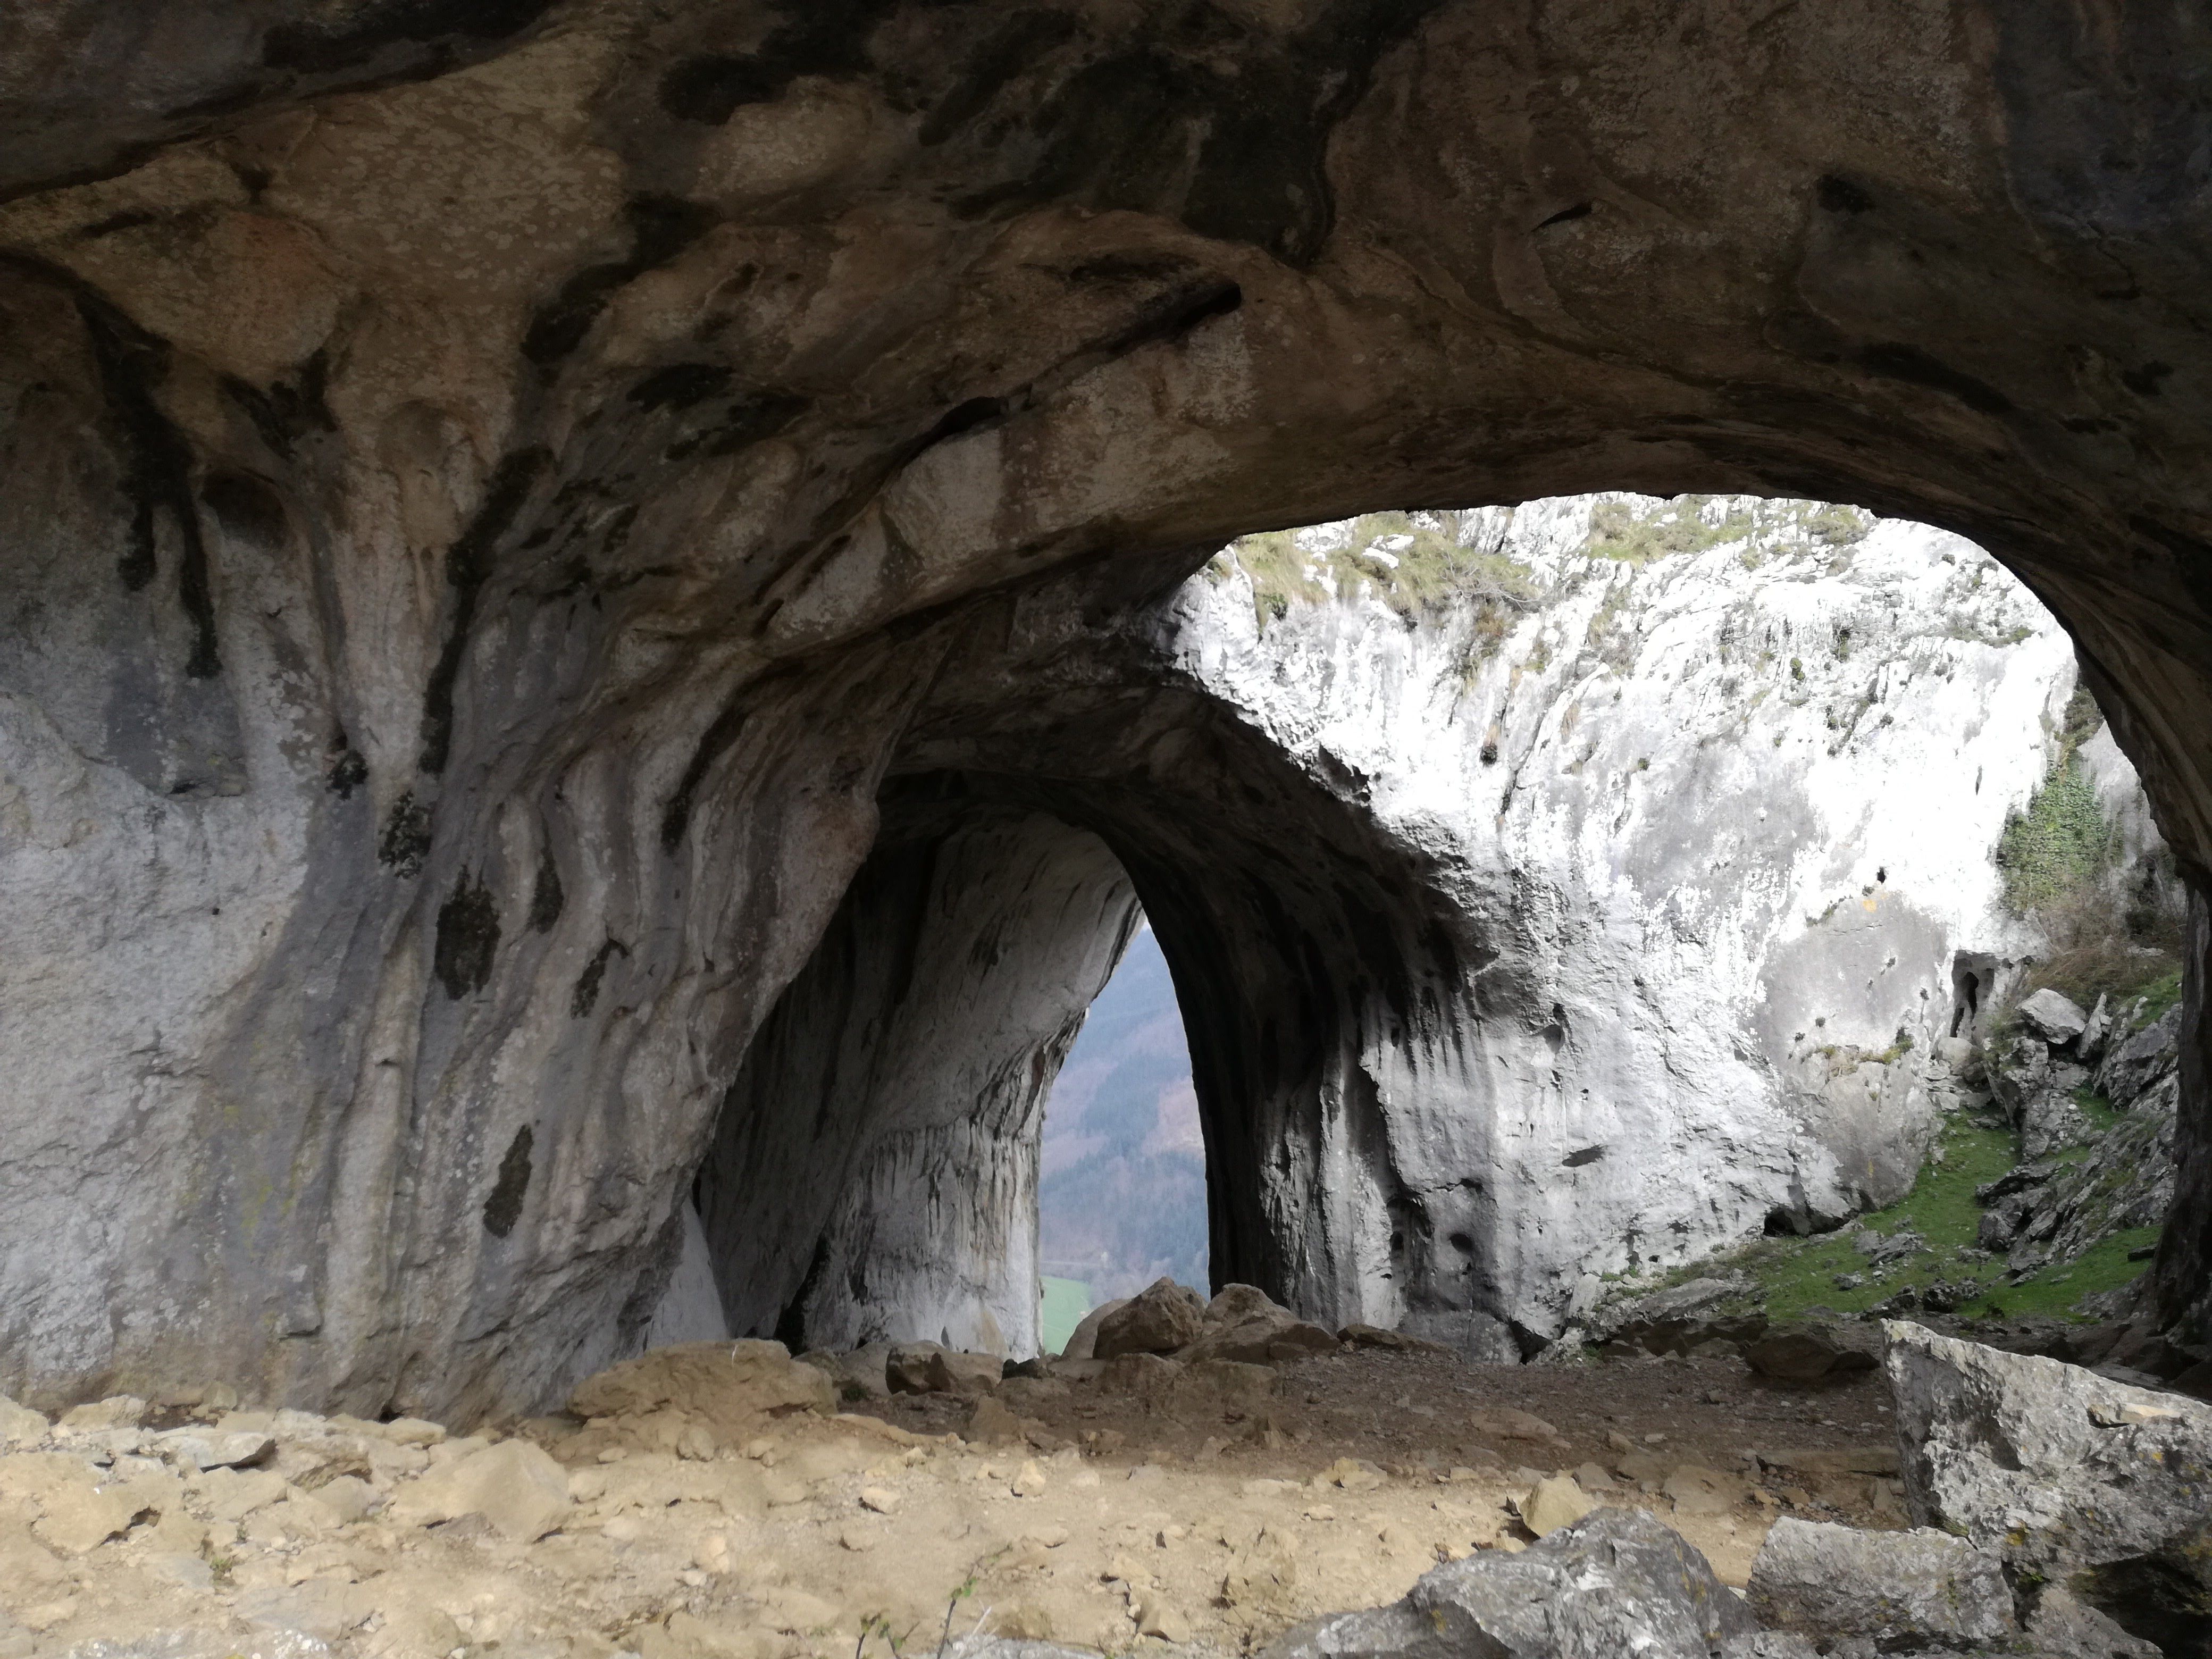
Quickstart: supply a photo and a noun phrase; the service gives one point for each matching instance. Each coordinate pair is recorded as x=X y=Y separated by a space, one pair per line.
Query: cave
x=538 y=542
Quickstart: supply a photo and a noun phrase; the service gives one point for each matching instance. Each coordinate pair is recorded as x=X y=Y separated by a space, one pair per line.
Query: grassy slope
x=1798 y=1274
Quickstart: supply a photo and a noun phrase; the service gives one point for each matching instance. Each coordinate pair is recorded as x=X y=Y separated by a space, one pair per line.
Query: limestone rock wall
x=487 y=492
x=1722 y=779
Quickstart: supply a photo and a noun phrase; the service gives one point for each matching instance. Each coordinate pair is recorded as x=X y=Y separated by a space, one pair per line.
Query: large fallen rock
x=1083 y=1341
x=859 y=1374
x=1681 y=1318
x=2069 y=1477
x=2054 y=1017
x=930 y=1368
x=1922 y=1586
x=1617 y=1582
x=1161 y=1318
x=1812 y=1351
x=723 y=1385
x=1242 y=1323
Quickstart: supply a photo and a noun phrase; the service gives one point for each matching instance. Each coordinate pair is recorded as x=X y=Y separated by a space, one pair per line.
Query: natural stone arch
x=459 y=518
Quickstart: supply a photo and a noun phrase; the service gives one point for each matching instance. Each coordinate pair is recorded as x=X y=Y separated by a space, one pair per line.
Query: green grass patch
x=2053 y=1292
x=1424 y=576
x=2061 y=843
x=1797 y=1276
x=1066 y=1302
x=2160 y=997
x=2101 y=1112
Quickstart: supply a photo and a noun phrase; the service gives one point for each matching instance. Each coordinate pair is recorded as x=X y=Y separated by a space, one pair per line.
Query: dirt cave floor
x=1200 y=1513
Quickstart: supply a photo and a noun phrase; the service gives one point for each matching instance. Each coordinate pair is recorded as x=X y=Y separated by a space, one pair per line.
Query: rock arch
x=488 y=497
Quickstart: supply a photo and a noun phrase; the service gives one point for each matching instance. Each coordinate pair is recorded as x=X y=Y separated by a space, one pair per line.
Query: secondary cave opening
x=1122 y=1190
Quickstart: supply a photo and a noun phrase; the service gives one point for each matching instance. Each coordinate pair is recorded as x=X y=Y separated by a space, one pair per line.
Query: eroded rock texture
x=874 y=1170
x=490 y=491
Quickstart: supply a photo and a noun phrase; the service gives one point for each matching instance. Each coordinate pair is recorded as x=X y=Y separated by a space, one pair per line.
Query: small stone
x=121 y=1411
x=856 y=1539
x=1553 y=1502
x=1353 y=1474
x=1505 y=1423
x=19 y=1425
x=214 y=1452
x=881 y=1499
x=695 y=1441
x=347 y=1497
x=991 y=1424
x=1616 y=1440
x=513 y=1484
x=77 y=1517
x=1030 y=1481
x=414 y=1431
x=1158 y=1617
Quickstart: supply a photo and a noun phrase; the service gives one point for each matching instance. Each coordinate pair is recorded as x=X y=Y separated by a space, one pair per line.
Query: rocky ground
x=1211 y=1505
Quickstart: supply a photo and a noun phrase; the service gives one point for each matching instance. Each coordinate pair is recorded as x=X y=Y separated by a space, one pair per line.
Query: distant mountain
x=1122 y=1199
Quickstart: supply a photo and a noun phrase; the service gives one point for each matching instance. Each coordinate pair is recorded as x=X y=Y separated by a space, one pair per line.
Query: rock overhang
x=493 y=503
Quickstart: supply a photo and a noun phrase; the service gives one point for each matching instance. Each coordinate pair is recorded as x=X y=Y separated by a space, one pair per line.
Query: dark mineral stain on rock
x=546 y=896
x=504 y=1207
x=405 y=841
x=468 y=937
x=585 y=996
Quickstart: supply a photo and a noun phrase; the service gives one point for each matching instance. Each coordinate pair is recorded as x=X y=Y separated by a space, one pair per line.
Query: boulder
x=1922 y=1586
x=2061 y=1627
x=1082 y=1344
x=2069 y=1477
x=1159 y=1319
x=2053 y=1017
x=1260 y=1339
x=858 y=1374
x=1556 y=1501
x=931 y=1367
x=724 y=1385
x=2133 y=1063
x=513 y=1484
x=953 y=1371
x=906 y=1367
x=1681 y=1318
x=1812 y=1350
x=1616 y=1582
x=1233 y=1304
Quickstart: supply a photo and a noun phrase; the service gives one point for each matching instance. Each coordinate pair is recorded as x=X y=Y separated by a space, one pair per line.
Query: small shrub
x=2059 y=843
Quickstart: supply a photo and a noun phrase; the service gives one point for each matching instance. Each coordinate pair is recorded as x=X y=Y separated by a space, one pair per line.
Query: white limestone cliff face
x=1731 y=809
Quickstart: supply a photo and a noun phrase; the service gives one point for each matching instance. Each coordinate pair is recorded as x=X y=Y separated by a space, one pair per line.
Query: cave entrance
x=1488 y=850
x=1121 y=1186
x=874 y=1171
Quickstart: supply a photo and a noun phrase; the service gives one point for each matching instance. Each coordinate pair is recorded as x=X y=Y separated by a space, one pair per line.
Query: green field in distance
x=1066 y=1302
